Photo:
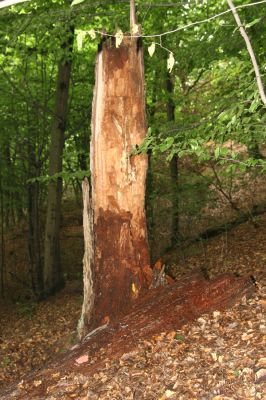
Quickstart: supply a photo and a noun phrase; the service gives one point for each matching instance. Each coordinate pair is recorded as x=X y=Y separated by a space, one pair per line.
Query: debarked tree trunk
x=121 y=255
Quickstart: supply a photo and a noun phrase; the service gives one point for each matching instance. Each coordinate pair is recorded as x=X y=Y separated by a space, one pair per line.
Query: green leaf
x=217 y=153
x=252 y=23
x=254 y=105
x=194 y=145
x=166 y=144
x=231 y=169
x=80 y=37
x=92 y=33
x=179 y=337
x=242 y=168
x=75 y=2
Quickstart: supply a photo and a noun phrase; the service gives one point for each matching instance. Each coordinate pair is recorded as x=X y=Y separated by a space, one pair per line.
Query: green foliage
x=179 y=337
x=27 y=309
x=65 y=175
x=215 y=94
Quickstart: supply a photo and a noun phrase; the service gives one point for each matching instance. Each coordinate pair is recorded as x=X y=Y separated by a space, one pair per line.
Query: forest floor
x=220 y=356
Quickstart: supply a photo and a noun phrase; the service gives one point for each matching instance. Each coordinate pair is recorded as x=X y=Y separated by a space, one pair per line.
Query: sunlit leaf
x=217 y=153
x=166 y=144
x=135 y=29
x=253 y=23
x=151 y=49
x=118 y=38
x=75 y=2
x=170 y=62
x=80 y=37
x=92 y=33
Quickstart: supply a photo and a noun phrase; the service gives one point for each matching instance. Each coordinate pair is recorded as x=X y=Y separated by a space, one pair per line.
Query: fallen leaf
x=37 y=383
x=216 y=314
x=82 y=359
x=260 y=376
x=105 y=320
x=169 y=393
x=261 y=362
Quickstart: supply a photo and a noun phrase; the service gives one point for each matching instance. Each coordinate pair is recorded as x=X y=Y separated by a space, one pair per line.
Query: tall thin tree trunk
x=53 y=277
x=173 y=167
x=2 y=258
x=149 y=204
x=34 y=240
x=8 y=193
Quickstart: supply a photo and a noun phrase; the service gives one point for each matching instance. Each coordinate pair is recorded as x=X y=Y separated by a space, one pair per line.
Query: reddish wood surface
x=118 y=179
x=159 y=310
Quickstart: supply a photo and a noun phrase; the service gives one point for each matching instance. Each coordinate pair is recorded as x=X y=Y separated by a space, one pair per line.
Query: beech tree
x=52 y=273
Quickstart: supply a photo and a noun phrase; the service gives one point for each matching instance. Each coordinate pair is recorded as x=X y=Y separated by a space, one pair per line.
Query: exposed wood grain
x=118 y=179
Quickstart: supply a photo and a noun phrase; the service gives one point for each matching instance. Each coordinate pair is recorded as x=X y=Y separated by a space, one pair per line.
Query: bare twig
x=94 y=331
x=250 y=50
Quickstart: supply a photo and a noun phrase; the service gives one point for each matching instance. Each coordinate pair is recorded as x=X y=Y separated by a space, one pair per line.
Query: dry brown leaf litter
x=218 y=357
x=32 y=335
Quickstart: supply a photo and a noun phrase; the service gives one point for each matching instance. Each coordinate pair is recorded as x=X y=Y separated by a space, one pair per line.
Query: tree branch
x=133 y=18
x=250 y=50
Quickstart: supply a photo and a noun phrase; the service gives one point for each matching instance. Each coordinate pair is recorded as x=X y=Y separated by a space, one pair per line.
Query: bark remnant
x=88 y=296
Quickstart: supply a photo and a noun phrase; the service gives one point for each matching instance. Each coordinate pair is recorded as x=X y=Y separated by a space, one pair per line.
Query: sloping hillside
x=218 y=356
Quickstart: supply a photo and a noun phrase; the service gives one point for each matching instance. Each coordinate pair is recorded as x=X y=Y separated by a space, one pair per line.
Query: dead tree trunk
x=121 y=252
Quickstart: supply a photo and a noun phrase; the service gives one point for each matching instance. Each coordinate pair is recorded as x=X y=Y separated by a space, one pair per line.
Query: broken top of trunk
x=121 y=252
